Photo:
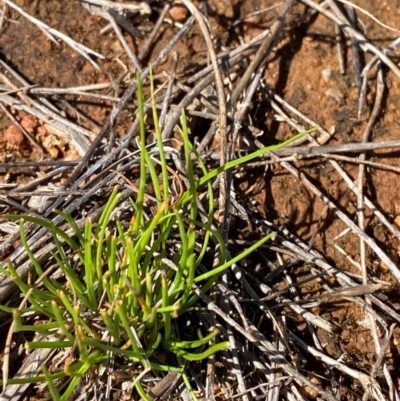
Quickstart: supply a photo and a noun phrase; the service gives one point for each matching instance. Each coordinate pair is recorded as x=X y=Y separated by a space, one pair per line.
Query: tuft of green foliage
x=122 y=286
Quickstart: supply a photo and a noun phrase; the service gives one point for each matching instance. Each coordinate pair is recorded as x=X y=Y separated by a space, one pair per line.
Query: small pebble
x=309 y=391
x=335 y=94
x=53 y=152
x=326 y=74
x=14 y=136
x=29 y=123
x=178 y=12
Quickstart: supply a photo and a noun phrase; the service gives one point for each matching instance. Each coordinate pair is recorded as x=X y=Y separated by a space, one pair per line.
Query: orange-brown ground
x=296 y=74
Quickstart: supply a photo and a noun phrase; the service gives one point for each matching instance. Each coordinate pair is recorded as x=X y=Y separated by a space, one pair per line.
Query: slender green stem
x=251 y=156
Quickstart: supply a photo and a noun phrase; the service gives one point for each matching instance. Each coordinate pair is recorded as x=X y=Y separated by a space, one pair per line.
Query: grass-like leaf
x=123 y=286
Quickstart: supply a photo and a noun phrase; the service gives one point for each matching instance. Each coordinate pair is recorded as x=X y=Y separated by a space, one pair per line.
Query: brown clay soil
x=295 y=72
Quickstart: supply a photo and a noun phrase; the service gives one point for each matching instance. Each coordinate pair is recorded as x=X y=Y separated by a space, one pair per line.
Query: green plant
x=122 y=285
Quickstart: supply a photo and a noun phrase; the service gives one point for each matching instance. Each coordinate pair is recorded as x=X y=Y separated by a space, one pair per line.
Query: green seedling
x=123 y=287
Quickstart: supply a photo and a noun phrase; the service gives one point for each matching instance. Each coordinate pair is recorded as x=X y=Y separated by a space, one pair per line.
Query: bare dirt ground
x=303 y=69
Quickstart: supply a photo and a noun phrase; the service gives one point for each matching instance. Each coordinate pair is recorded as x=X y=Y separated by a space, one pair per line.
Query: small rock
x=223 y=7
x=53 y=152
x=397 y=221
x=178 y=12
x=116 y=46
x=29 y=123
x=335 y=94
x=14 y=136
x=309 y=391
x=326 y=74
